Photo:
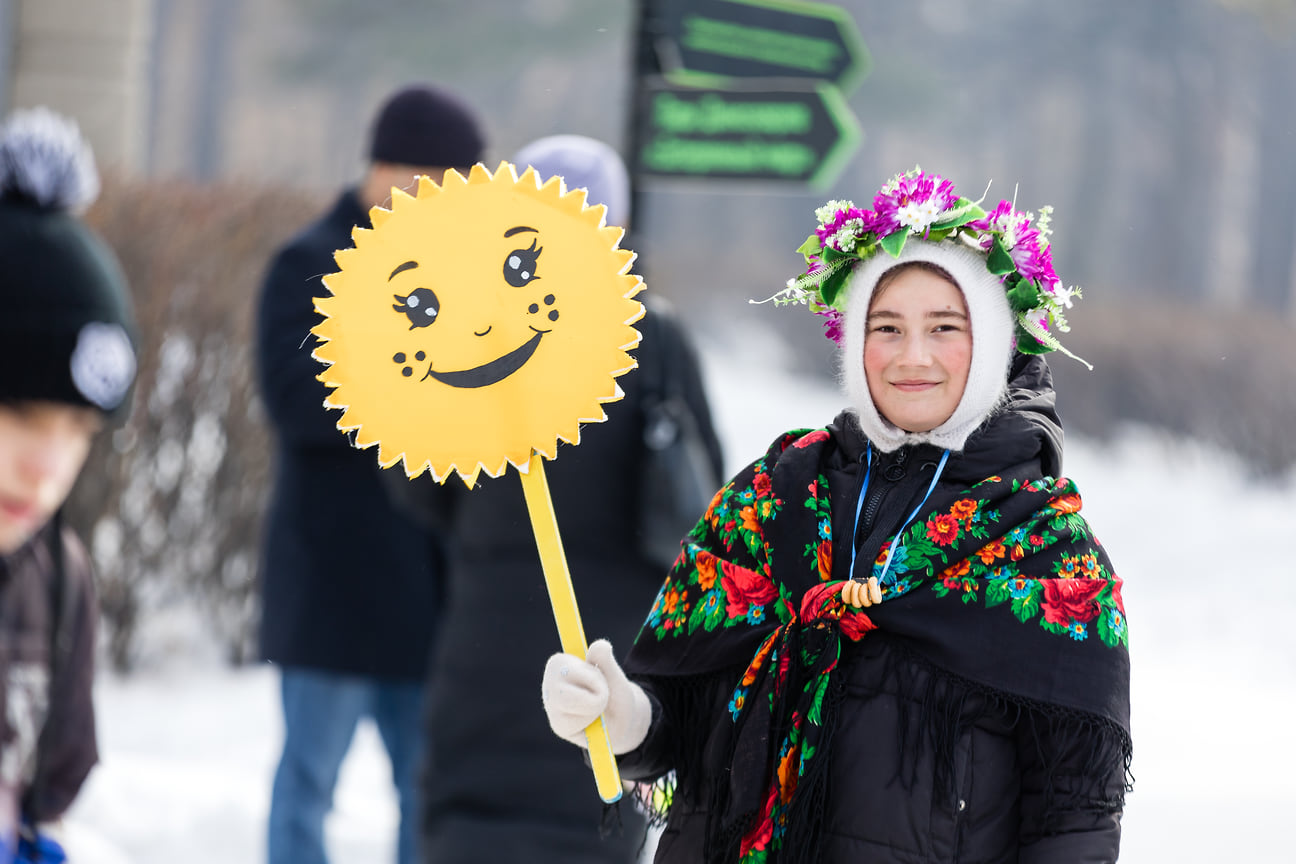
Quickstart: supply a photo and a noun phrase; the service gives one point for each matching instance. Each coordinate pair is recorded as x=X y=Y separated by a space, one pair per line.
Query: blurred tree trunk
x=219 y=26
x=1275 y=236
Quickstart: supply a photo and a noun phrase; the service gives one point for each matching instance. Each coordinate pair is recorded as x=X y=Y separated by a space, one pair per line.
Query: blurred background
x=1162 y=131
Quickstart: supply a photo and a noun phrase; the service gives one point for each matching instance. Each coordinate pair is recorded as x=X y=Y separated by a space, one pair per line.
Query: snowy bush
x=171 y=503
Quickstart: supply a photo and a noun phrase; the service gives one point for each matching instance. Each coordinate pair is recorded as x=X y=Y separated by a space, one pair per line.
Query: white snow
x=188 y=749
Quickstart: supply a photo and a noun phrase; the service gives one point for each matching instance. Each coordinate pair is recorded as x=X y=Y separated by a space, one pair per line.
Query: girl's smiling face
x=917 y=348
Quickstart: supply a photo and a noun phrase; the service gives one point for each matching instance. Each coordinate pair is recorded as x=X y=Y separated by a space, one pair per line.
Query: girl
x=893 y=639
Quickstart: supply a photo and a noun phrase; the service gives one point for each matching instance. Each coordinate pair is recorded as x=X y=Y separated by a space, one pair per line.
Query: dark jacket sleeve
x=651 y=759
x=68 y=749
x=1067 y=813
x=294 y=398
x=424 y=500
x=687 y=369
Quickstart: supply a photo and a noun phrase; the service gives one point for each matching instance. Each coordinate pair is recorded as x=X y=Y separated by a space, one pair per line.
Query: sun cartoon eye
x=420 y=306
x=520 y=265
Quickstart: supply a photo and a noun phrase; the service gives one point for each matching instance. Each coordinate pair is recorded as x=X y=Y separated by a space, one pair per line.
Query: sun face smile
x=494 y=371
x=477 y=323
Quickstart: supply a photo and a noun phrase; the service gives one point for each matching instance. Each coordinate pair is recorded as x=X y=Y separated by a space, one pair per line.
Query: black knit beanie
x=66 y=329
x=422 y=126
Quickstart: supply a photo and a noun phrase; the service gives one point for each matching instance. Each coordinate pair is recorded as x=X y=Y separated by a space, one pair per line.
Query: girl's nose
x=914 y=350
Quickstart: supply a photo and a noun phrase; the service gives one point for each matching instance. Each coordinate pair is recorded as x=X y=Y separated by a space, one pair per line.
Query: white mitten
x=575 y=692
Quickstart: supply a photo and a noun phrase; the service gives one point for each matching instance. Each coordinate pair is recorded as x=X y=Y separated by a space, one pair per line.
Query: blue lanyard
x=859 y=508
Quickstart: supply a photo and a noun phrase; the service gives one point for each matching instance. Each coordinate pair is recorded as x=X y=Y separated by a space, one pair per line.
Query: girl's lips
x=913 y=386
x=17 y=511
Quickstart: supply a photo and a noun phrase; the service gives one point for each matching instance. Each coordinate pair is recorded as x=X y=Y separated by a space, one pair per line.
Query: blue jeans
x=321 y=711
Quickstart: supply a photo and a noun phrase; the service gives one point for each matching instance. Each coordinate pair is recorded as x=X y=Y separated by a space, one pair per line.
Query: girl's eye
x=520 y=265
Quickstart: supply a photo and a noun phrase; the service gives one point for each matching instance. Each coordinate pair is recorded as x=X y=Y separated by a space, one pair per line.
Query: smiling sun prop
x=477 y=323
x=474 y=326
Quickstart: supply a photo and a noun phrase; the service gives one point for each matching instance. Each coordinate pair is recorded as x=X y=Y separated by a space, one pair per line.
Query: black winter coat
x=887 y=801
x=500 y=786
x=47 y=721
x=349 y=583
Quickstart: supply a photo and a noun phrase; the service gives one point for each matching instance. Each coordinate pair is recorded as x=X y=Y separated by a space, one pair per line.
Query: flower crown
x=925 y=206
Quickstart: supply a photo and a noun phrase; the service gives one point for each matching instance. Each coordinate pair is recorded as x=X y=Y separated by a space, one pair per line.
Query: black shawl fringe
x=948 y=705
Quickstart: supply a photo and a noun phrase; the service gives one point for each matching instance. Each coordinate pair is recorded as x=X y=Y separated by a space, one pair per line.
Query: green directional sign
x=802 y=131
x=698 y=40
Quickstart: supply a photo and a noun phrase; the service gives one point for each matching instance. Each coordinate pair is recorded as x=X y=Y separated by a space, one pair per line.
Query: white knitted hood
x=992 y=344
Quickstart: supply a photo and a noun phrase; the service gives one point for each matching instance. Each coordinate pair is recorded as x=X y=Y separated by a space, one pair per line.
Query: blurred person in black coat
x=350 y=586
x=498 y=785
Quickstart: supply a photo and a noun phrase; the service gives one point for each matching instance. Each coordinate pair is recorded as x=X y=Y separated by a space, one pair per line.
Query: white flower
x=828 y=212
x=917 y=215
x=848 y=235
x=1064 y=294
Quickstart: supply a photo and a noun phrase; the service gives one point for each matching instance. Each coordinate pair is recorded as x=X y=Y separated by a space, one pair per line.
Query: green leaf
x=830 y=254
x=999 y=261
x=1023 y=295
x=997 y=592
x=935 y=236
x=1105 y=632
x=1025 y=608
x=698 y=616
x=833 y=285
x=1028 y=344
x=921 y=546
x=966 y=212
x=718 y=616
x=810 y=247
x=815 y=714
x=895 y=241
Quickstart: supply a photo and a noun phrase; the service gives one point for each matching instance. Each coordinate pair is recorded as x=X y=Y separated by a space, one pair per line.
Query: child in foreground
x=67 y=365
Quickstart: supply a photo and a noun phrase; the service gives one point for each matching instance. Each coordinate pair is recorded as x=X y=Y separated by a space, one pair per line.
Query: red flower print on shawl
x=812 y=438
x=744 y=589
x=1066 y=503
x=943 y=529
x=953 y=575
x=823 y=556
x=706 y=570
x=855 y=624
x=1067 y=600
x=990 y=552
x=963 y=509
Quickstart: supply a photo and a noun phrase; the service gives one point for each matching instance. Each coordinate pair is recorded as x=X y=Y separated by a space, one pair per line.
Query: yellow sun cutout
x=478 y=322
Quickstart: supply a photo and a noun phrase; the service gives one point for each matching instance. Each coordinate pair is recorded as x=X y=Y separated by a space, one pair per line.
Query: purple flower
x=1032 y=261
x=879 y=224
x=832 y=324
x=913 y=201
x=1005 y=221
x=848 y=226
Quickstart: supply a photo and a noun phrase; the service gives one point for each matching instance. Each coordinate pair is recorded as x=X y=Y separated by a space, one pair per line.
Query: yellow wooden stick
x=563 y=599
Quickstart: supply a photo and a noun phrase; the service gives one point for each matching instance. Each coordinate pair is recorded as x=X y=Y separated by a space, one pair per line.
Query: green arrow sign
x=758 y=39
x=802 y=132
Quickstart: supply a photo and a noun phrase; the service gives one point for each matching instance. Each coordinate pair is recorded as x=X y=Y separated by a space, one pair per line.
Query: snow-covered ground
x=188 y=748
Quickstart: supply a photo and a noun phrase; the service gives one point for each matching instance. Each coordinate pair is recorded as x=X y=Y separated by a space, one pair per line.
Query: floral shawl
x=1001 y=588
